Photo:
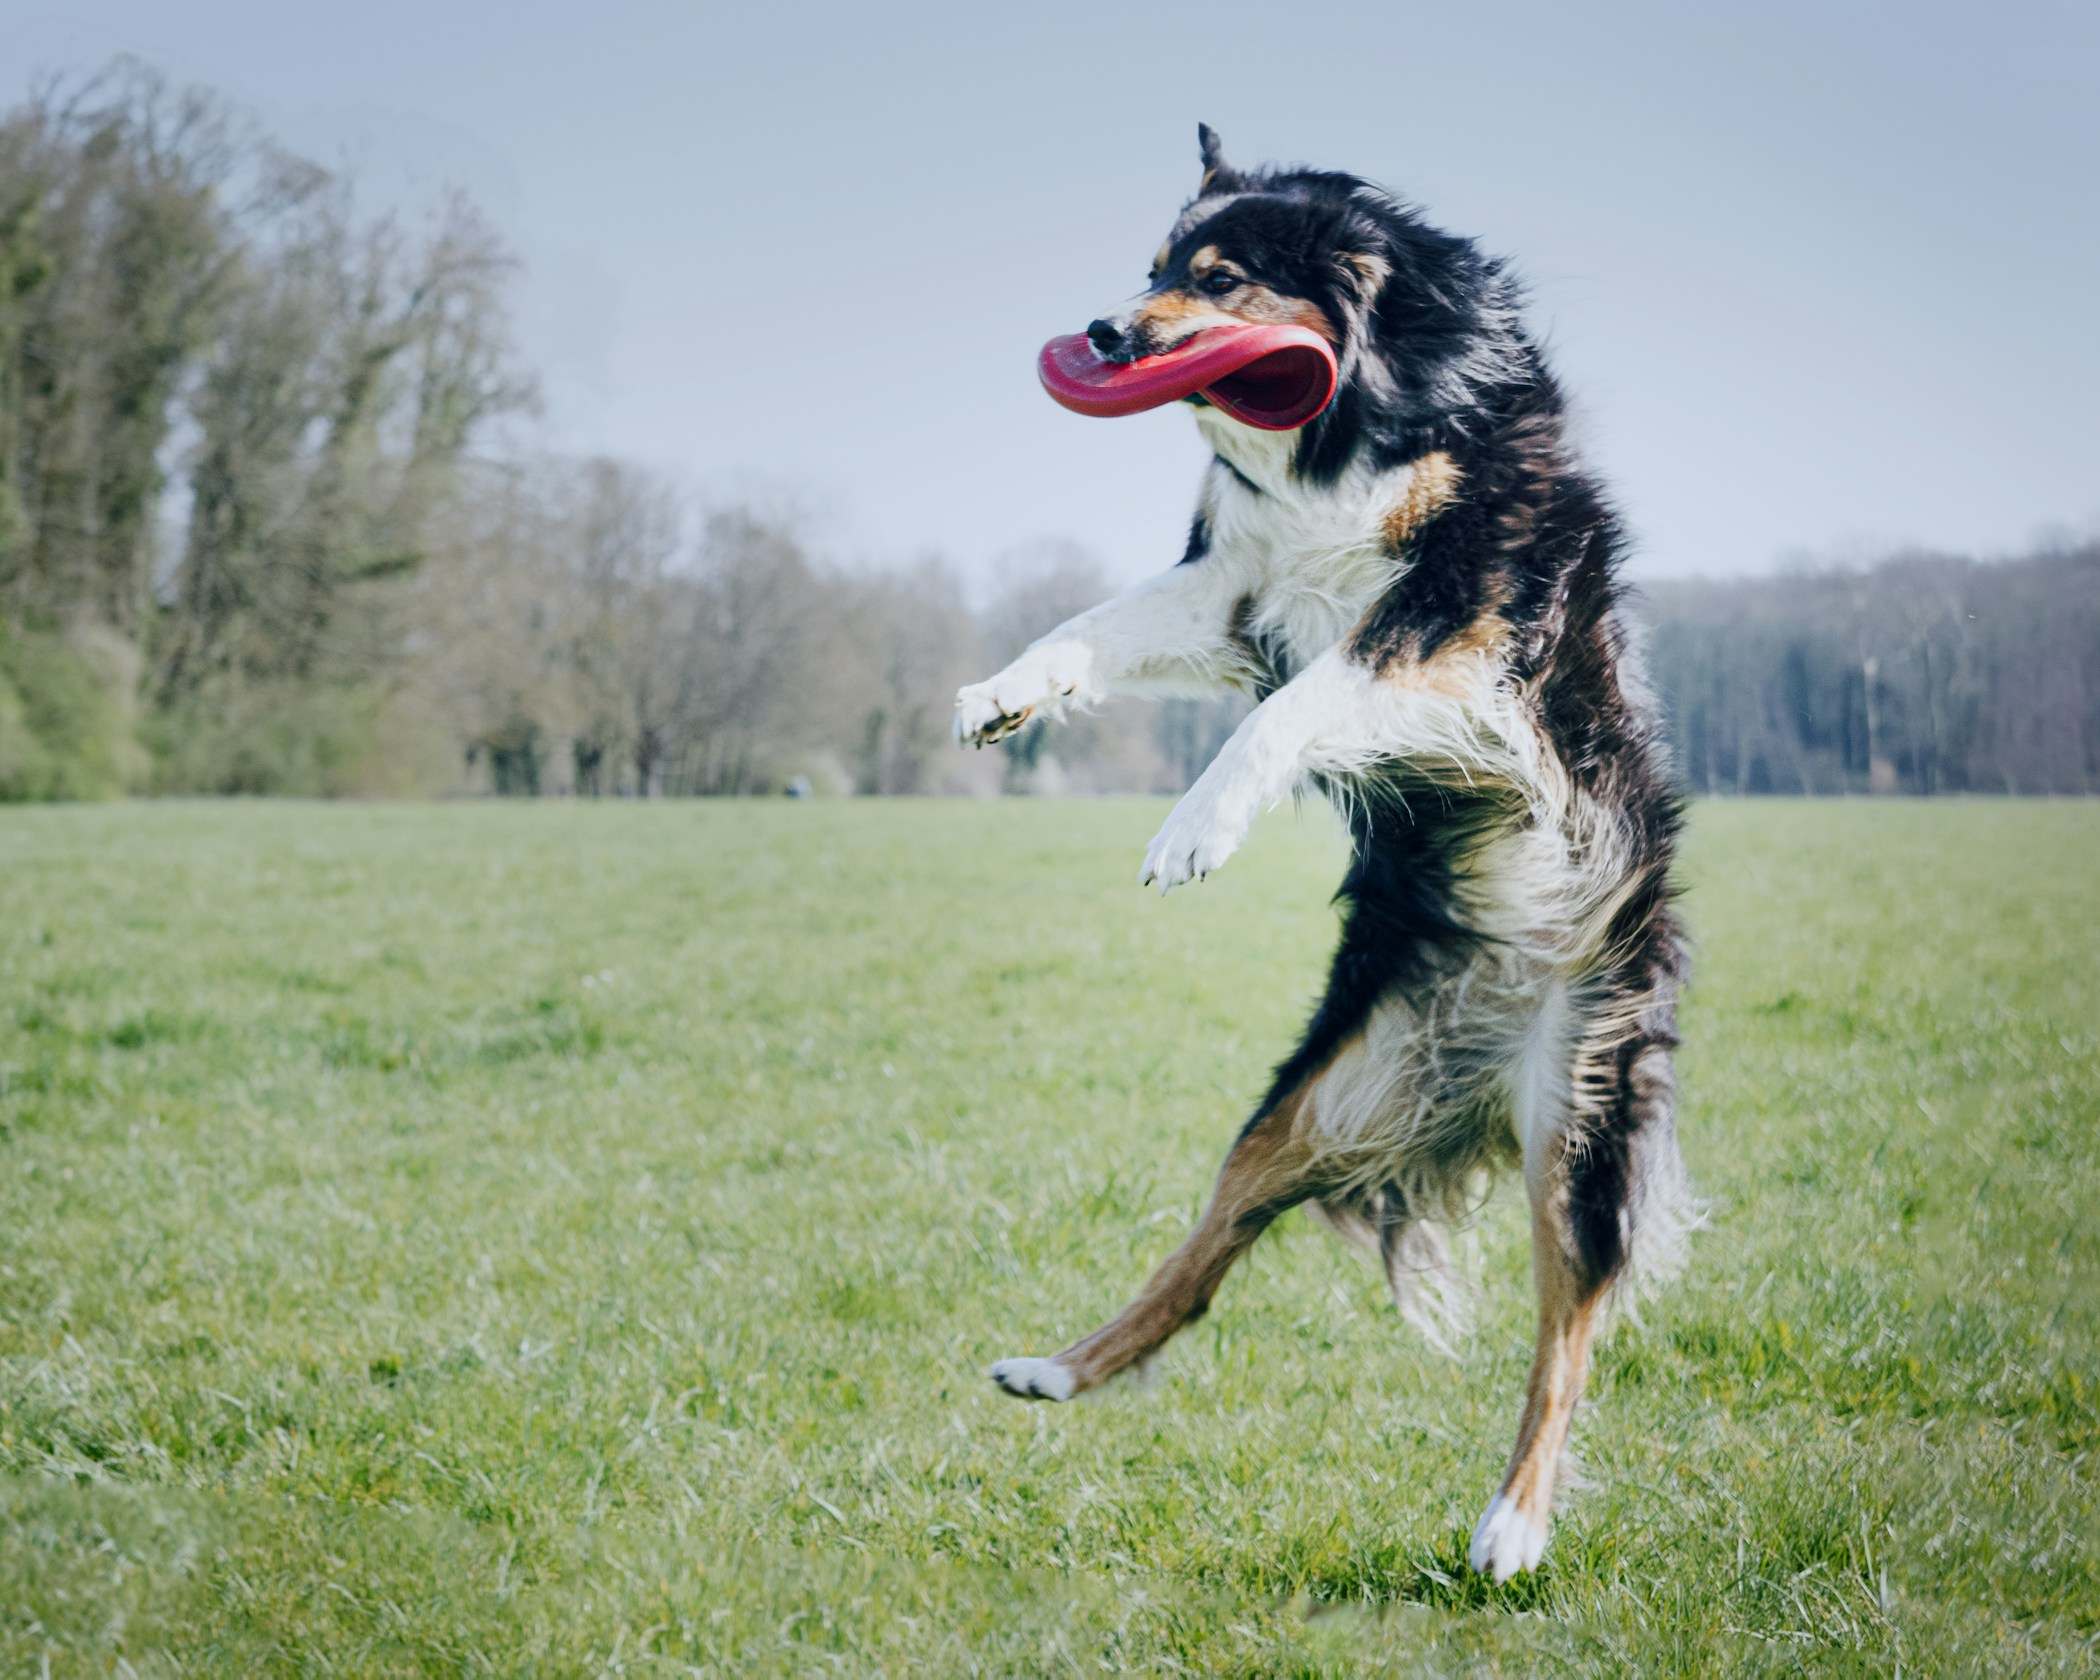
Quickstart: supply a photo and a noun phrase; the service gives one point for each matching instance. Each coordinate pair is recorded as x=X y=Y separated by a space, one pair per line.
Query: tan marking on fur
x=1258 y=303
x=1268 y=1169
x=1165 y=250
x=1180 y=314
x=1463 y=660
x=1559 y=1367
x=1203 y=263
x=1371 y=271
x=1173 y=316
x=1462 y=664
x=1431 y=488
x=1484 y=638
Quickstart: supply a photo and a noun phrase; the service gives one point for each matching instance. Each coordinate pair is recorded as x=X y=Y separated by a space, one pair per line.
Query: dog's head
x=1237 y=253
x=1417 y=319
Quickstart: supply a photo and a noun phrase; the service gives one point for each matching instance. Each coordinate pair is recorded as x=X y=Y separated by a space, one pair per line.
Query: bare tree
x=1924 y=674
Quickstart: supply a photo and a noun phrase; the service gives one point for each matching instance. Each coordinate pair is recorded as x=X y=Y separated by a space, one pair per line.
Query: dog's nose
x=1106 y=337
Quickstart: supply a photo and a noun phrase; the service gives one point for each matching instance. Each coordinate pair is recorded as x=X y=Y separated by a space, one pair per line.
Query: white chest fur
x=1310 y=558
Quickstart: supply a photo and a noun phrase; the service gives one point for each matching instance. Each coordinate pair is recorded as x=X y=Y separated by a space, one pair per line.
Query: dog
x=1421 y=588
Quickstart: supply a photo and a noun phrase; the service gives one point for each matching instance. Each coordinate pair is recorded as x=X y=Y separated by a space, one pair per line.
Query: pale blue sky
x=1822 y=276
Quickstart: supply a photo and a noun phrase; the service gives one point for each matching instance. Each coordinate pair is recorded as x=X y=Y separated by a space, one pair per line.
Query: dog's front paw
x=1199 y=834
x=1033 y=1379
x=1507 y=1539
x=1043 y=676
x=982 y=717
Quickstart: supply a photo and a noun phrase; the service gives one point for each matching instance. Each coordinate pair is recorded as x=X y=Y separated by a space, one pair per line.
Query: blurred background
x=437 y=399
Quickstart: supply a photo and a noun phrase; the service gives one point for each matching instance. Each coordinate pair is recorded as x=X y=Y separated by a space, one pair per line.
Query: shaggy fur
x=1420 y=585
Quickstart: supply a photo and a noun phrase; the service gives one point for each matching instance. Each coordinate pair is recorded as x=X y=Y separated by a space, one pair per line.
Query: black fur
x=1400 y=924
x=1198 y=544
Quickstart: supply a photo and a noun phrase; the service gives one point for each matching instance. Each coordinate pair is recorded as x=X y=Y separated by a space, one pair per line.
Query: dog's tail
x=1413 y=1249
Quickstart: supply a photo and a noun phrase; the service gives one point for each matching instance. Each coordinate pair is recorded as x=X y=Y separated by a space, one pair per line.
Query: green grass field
x=569 y=1239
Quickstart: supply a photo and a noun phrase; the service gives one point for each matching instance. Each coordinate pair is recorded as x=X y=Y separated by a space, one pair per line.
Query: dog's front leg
x=1255 y=769
x=1258 y=767
x=1336 y=717
x=1171 y=634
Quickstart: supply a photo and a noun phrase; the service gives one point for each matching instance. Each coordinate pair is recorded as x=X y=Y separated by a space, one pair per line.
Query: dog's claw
x=993 y=730
x=1033 y=1379
x=1196 y=840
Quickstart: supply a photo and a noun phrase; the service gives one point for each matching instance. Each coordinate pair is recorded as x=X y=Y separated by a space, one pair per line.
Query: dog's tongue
x=1272 y=377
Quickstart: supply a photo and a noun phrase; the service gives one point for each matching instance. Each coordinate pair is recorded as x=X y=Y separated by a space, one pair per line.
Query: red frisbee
x=1272 y=377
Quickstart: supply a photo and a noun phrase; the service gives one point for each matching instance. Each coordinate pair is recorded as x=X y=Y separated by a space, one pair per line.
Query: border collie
x=1420 y=586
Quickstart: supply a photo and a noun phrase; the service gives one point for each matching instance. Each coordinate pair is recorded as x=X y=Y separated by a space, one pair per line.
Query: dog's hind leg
x=1511 y=1534
x=1270 y=1169
x=1600 y=1163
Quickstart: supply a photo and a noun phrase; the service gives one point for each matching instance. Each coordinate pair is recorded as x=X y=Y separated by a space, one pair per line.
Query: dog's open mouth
x=1272 y=377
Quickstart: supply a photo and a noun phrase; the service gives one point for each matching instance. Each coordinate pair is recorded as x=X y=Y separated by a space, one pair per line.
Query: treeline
x=589 y=633
x=269 y=523
x=1921 y=675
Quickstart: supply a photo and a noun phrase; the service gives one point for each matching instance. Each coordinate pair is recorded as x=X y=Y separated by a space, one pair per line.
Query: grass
x=569 y=1239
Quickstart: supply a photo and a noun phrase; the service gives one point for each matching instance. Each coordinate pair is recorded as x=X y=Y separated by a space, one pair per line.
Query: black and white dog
x=1420 y=585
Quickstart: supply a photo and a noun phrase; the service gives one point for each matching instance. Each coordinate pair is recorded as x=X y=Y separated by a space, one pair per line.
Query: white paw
x=1506 y=1541
x=1043 y=676
x=1199 y=834
x=1033 y=1379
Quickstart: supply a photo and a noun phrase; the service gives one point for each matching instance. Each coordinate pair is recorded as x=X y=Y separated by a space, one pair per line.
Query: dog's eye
x=1218 y=284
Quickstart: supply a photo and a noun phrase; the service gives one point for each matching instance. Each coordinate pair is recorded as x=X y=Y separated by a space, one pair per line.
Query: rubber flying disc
x=1272 y=377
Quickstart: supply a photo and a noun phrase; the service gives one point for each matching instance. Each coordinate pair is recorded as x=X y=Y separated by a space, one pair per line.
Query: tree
x=115 y=240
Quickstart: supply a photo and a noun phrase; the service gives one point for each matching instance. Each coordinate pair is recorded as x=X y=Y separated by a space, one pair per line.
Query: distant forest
x=1920 y=675
x=269 y=524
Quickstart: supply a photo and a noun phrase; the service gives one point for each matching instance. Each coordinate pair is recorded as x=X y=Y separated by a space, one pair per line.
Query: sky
x=1823 y=278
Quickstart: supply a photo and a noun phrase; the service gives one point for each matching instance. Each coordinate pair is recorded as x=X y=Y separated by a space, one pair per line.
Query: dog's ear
x=1218 y=175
